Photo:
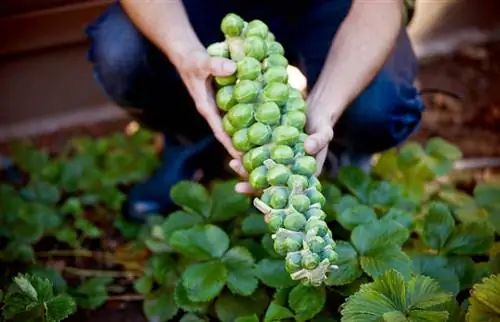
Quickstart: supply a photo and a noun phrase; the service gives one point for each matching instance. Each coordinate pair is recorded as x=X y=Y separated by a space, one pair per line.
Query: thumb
x=315 y=142
x=218 y=66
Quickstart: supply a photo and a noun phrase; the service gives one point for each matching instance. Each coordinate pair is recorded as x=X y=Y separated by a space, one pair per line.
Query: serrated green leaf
x=348 y=265
x=18 y=303
x=272 y=273
x=463 y=266
x=484 y=300
x=254 y=224
x=487 y=194
x=404 y=217
x=59 y=308
x=332 y=195
x=436 y=266
x=41 y=191
x=377 y=262
x=470 y=239
x=378 y=234
x=179 y=220
x=24 y=284
x=53 y=275
x=183 y=301
x=355 y=216
x=192 y=196
x=391 y=292
x=160 y=306
x=267 y=243
x=394 y=316
x=204 y=281
x=162 y=269
x=226 y=202
x=241 y=279
x=345 y=202
x=200 y=242
x=248 y=318
x=143 y=284
x=383 y=194
x=229 y=307
x=355 y=180
x=18 y=250
x=438 y=225
x=276 y=312
x=256 y=248
x=442 y=149
x=92 y=293
x=306 y=301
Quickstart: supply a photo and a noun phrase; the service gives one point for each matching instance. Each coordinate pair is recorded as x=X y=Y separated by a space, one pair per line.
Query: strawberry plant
x=412 y=245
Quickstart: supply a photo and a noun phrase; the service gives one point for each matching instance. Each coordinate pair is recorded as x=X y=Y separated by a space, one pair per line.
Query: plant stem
x=66 y=253
x=91 y=272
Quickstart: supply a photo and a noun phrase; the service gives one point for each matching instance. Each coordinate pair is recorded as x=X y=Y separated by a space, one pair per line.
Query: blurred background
x=46 y=84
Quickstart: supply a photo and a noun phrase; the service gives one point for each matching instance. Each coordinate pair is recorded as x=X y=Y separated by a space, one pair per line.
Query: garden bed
x=470 y=122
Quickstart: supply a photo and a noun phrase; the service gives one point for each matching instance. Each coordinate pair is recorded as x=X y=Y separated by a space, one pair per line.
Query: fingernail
x=311 y=145
x=228 y=67
x=233 y=163
x=238 y=188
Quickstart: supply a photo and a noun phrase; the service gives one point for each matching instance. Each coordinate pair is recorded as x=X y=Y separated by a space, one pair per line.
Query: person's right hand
x=196 y=71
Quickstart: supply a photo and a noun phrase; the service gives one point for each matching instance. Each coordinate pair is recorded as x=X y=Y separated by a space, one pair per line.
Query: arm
x=363 y=43
x=166 y=24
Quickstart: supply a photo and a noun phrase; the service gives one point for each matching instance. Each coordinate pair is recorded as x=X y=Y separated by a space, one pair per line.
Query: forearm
x=360 y=48
x=166 y=24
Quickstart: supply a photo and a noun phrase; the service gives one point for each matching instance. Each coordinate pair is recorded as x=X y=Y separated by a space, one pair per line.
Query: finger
x=206 y=107
x=246 y=189
x=317 y=141
x=237 y=167
x=218 y=66
x=320 y=160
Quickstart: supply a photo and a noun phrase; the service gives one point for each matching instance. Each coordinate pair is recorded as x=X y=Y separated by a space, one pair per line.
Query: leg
x=387 y=112
x=135 y=75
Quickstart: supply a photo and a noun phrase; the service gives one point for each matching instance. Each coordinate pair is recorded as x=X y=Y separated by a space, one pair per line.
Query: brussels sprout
x=280 y=247
x=228 y=127
x=316 y=197
x=316 y=244
x=224 y=98
x=247 y=161
x=315 y=212
x=256 y=28
x=248 y=69
x=232 y=25
x=245 y=91
x=258 y=178
x=300 y=202
x=255 y=47
x=305 y=165
x=319 y=225
x=314 y=183
x=295 y=93
x=295 y=104
x=258 y=155
x=259 y=133
x=293 y=262
x=295 y=221
x=282 y=154
x=274 y=47
x=329 y=254
x=268 y=113
x=274 y=60
x=218 y=49
x=329 y=240
x=286 y=135
x=226 y=80
x=279 y=197
x=310 y=261
x=293 y=244
x=276 y=92
x=270 y=37
x=240 y=140
x=275 y=222
x=278 y=175
x=241 y=115
x=276 y=74
x=296 y=119
x=297 y=180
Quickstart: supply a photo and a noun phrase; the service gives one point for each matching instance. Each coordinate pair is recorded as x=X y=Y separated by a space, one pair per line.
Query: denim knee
x=117 y=52
x=382 y=117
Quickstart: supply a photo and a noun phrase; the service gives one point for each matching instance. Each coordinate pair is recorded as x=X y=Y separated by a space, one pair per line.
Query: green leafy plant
x=404 y=254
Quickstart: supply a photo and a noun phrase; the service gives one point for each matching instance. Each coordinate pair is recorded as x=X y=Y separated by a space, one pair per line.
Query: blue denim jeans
x=138 y=77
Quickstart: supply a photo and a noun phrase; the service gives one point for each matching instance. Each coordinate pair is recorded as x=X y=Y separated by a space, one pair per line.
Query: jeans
x=138 y=77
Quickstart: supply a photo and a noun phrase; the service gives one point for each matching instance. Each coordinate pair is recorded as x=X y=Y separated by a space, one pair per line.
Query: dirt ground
x=471 y=120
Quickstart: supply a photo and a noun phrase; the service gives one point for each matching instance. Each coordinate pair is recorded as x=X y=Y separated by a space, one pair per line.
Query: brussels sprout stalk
x=265 y=118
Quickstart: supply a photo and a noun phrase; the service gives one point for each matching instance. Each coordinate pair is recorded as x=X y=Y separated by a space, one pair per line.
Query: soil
x=462 y=105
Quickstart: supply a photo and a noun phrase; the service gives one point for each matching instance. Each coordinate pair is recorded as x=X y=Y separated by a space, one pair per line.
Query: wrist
x=323 y=101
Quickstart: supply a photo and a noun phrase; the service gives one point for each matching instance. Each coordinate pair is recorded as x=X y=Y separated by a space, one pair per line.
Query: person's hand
x=196 y=71
x=319 y=128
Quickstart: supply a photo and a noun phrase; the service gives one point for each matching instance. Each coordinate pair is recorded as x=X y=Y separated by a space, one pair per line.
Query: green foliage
x=409 y=248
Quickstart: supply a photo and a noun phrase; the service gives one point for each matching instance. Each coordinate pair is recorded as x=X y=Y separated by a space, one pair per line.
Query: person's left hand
x=319 y=128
